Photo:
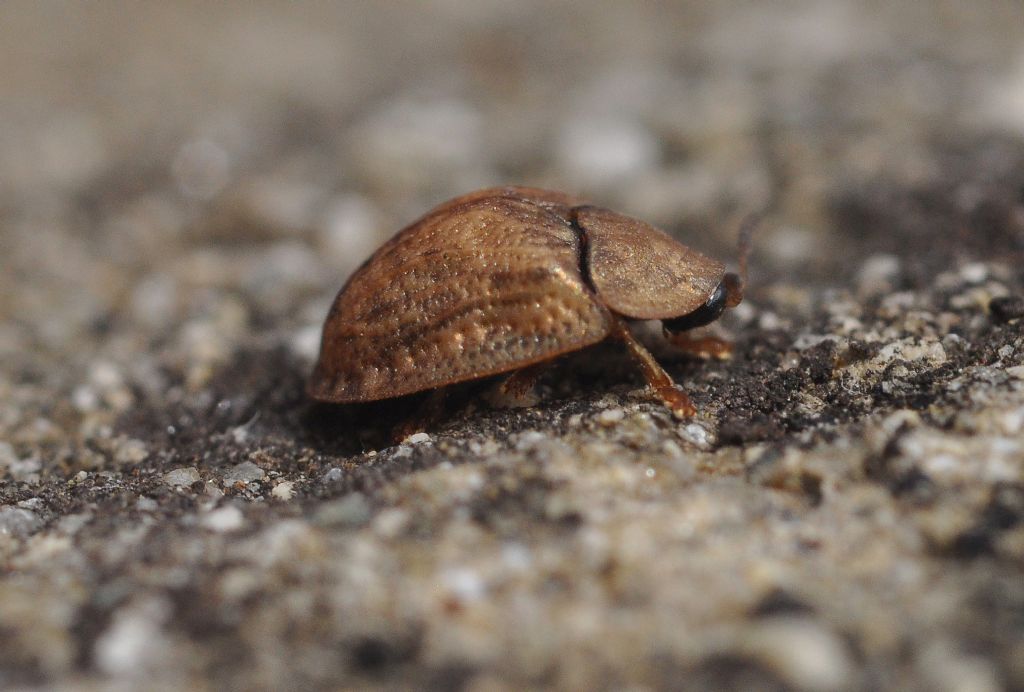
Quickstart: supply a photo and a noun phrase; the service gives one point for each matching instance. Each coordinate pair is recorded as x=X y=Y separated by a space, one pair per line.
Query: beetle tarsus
x=658 y=380
x=677 y=401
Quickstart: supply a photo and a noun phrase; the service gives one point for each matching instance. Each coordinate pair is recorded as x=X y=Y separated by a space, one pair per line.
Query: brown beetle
x=505 y=278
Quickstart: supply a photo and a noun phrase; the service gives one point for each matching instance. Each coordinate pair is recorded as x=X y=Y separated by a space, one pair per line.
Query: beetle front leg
x=664 y=388
x=702 y=346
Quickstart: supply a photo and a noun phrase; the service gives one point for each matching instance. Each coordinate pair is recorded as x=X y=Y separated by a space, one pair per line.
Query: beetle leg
x=430 y=412
x=704 y=346
x=664 y=388
x=516 y=390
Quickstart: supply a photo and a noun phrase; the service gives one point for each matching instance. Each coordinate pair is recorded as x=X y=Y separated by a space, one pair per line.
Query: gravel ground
x=184 y=187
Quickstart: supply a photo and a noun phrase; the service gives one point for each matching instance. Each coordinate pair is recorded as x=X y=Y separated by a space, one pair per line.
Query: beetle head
x=728 y=294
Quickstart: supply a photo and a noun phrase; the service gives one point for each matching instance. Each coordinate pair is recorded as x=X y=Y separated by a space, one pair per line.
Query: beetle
x=504 y=279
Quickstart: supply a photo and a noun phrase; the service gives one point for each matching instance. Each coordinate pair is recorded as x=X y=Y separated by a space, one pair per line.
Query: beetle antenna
x=750 y=224
x=736 y=285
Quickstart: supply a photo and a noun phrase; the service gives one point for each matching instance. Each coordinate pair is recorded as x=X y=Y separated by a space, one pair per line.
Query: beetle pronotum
x=506 y=278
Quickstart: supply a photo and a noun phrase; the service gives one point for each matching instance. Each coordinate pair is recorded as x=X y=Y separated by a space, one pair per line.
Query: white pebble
x=186 y=475
x=610 y=417
x=391 y=522
x=130 y=451
x=225 y=519
x=306 y=342
x=696 y=434
x=974 y=273
x=246 y=472
x=877 y=274
x=7 y=456
x=284 y=490
x=516 y=557
x=85 y=399
x=530 y=439
x=18 y=522
x=804 y=653
x=417 y=438
x=134 y=641
x=350 y=230
x=1016 y=371
x=463 y=583
x=352 y=510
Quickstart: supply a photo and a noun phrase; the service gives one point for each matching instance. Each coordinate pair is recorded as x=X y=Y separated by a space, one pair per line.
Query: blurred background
x=163 y=163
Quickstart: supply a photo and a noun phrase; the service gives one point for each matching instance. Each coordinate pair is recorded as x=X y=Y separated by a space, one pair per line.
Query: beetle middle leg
x=704 y=346
x=664 y=387
x=516 y=390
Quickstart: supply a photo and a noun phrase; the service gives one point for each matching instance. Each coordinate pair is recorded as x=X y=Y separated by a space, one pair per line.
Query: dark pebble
x=1006 y=308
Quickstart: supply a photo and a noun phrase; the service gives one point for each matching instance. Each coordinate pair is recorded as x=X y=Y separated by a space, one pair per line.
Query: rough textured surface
x=184 y=186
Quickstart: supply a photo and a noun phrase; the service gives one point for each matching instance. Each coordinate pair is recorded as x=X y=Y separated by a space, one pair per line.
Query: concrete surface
x=184 y=187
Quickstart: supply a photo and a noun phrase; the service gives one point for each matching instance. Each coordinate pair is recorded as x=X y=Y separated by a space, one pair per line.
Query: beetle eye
x=705 y=314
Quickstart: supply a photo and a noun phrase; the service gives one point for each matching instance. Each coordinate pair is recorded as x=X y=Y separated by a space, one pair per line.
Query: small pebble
x=696 y=434
x=610 y=417
x=7 y=456
x=305 y=344
x=129 y=451
x=878 y=275
x=417 y=438
x=530 y=439
x=463 y=583
x=351 y=510
x=18 y=522
x=186 y=475
x=391 y=522
x=134 y=639
x=974 y=273
x=225 y=519
x=246 y=472
x=804 y=653
x=284 y=490
x=349 y=230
